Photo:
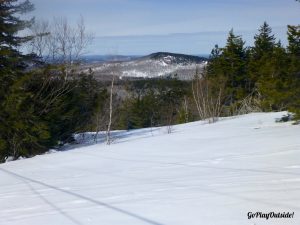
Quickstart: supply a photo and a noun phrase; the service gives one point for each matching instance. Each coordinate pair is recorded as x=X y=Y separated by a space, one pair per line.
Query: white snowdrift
x=201 y=174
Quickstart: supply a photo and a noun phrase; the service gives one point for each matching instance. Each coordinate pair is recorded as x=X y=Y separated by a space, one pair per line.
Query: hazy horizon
x=141 y=27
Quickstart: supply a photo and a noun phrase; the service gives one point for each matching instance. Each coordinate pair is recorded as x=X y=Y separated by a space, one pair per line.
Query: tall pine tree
x=264 y=41
x=16 y=128
x=230 y=63
x=267 y=68
x=294 y=68
x=294 y=40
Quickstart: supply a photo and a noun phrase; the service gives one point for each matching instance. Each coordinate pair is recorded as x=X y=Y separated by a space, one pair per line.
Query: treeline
x=267 y=74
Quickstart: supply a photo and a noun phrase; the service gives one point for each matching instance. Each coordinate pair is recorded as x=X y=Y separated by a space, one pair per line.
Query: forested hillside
x=267 y=72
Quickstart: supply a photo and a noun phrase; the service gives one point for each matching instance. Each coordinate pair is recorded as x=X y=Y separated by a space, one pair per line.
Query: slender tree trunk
x=186 y=110
x=108 y=134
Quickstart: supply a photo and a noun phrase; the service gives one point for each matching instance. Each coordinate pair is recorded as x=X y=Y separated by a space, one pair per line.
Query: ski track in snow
x=201 y=174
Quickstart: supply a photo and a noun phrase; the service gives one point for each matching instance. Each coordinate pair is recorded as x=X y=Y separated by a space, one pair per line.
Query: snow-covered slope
x=201 y=174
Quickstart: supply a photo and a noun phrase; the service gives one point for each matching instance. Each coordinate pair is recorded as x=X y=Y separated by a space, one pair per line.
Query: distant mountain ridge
x=160 y=64
x=176 y=57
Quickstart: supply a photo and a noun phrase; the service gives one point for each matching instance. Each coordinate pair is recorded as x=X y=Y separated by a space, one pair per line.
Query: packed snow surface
x=200 y=174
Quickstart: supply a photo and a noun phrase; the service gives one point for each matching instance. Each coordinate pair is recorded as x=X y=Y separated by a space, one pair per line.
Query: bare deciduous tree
x=60 y=42
x=40 y=30
x=208 y=97
x=71 y=41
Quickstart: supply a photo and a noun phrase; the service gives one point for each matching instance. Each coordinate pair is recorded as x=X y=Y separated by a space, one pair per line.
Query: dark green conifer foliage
x=268 y=69
x=261 y=53
x=294 y=40
x=17 y=127
x=274 y=81
x=264 y=42
x=230 y=63
x=10 y=24
x=215 y=65
x=294 y=68
x=24 y=131
x=157 y=102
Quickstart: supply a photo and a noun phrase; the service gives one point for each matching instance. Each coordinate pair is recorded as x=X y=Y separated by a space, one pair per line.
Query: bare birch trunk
x=108 y=134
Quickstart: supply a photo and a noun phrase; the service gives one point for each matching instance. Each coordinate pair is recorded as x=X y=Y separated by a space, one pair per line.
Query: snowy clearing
x=201 y=174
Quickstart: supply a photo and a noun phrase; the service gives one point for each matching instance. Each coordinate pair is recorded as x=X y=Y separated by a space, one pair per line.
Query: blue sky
x=138 y=27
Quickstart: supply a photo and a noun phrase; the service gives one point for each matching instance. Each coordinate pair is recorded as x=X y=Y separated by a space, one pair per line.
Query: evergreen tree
x=294 y=68
x=11 y=60
x=264 y=41
x=215 y=66
x=11 y=24
x=274 y=81
x=263 y=60
x=23 y=131
x=294 y=40
x=269 y=69
x=230 y=63
x=17 y=126
x=275 y=70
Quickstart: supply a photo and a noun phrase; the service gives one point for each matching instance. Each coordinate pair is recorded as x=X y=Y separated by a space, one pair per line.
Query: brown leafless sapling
x=208 y=96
